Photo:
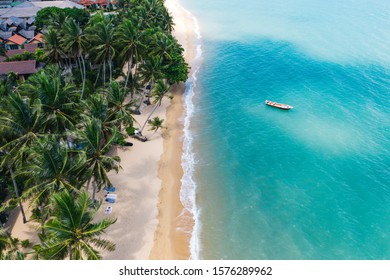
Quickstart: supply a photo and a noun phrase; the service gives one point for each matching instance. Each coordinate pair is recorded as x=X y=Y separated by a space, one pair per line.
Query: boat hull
x=278 y=105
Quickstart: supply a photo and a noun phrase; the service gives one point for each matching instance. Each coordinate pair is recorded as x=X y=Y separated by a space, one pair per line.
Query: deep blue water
x=309 y=183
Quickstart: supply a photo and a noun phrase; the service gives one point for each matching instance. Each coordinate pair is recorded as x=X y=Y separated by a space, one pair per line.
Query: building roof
x=17 y=39
x=12 y=20
x=102 y=2
x=31 y=47
x=27 y=48
x=86 y=2
x=27 y=34
x=18 y=67
x=31 y=20
x=38 y=37
x=30 y=9
x=5 y=35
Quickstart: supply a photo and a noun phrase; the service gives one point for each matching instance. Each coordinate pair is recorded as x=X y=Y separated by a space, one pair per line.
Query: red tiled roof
x=17 y=39
x=102 y=2
x=31 y=47
x=27 y=48
x=86 y=2
x=38 y=37
x=18 y=67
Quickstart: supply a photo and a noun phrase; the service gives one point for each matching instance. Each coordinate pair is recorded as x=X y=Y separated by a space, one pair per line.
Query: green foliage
x=47 y=15
x=130 y=130
x=25 y=243
x=40 y=55
x=72 y=231
x=20 y=57
x=43 y=16
x=156 y=123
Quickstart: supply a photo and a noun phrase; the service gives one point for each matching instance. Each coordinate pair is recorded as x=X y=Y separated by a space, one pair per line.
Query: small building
x=38 y=39
x=22 y=68
x=15 y=42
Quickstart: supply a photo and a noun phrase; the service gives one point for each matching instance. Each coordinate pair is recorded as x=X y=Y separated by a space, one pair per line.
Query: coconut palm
x=163 y=45
x=53 y=49
x=95 y=145
x=21 y=124
x=159 y=91
x=101 y=36
x=72 y=232
x=129 y=41
x=58 y=99
x=134 y=85
x=51 y=169
x=9 y=247
x=97 y=107
x=74 y=43
x=151 y=71
x=155 y=124
x=119 y=108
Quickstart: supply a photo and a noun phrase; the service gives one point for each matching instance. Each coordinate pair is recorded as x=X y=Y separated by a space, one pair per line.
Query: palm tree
x=72 y=232
x=95 y=145
x=159 y=91
x=119 y=108
x=128 y=34
x=21 y=124
x=163 y=45
x=150 y=70
x=97 y=107
x=51 y=169
x=135 y=85
x=74 y=43
x=102 y=39
x=155 y=124
x=53 y=49
x=9 y=247
x=58 y=98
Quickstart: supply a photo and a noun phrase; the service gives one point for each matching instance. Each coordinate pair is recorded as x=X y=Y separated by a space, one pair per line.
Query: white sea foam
x=188 y=188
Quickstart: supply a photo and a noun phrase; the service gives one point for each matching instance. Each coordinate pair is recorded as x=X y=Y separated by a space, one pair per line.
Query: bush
x=130 y=131
x=25 y=243
x=45 y=15
x=20 y=57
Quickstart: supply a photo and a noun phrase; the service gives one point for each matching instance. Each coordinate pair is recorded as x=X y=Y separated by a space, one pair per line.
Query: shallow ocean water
x=309 y=183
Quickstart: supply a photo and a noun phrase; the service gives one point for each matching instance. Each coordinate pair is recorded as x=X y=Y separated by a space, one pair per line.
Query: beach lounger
x=108 y=210
x=110 y=189
x=111 y=198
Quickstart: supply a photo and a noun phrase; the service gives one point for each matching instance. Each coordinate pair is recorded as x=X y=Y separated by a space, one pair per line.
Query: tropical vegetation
x=57 y=128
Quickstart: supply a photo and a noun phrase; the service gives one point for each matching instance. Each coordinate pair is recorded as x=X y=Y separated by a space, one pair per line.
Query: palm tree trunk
x=130 y=62
x=70 y=253
x=104 y=72
x=88 y=184
x=94 y=187
x=110 y=65
x=151 y=113
x=98 y=74
x=84 y=76
x=17 y=195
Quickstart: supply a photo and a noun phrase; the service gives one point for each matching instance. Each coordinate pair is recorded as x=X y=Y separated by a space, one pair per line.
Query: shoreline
x=175 y=223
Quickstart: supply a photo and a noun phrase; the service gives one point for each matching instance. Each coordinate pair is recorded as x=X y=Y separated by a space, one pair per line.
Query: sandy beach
x=151 y=220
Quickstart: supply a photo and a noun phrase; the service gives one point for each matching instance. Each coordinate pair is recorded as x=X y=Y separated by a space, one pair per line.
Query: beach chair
x=111 y=198
x=110 y=189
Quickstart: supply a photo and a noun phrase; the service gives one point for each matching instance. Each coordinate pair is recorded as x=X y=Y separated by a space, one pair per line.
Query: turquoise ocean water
x=310 y=183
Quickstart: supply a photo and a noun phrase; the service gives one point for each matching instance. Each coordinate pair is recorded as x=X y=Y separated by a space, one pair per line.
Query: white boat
x=278 y=105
